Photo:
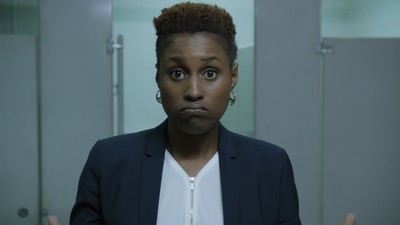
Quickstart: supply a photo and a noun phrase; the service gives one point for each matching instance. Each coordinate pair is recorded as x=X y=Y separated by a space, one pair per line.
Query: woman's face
x=195 y=80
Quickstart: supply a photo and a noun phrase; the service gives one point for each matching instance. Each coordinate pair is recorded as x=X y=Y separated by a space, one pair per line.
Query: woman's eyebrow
x=210 y=58
x=180 y=59
x=177 y=59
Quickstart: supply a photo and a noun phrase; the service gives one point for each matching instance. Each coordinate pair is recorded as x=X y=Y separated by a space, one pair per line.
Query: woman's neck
x=192 y=151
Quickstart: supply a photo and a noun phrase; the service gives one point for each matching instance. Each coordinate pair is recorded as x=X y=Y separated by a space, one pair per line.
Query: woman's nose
x=194 y=89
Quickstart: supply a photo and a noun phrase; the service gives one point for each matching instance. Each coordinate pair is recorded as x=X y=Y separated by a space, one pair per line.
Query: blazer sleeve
x=87 y=208
x=289 y=205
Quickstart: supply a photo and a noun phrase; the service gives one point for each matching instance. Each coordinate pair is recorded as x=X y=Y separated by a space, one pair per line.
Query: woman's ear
x=234 y=75
x=157 y=78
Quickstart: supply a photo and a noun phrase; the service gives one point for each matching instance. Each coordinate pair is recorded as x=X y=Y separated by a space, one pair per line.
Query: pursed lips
x=195 y=108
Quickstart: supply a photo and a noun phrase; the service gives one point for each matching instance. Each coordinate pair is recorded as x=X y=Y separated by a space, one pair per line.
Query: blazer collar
x=152 y=165
x=230 y=176
x=157 y=140
x=225 y=143
x=158 y=137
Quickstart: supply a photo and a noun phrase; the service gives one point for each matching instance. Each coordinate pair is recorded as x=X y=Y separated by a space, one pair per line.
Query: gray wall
x=19 y=17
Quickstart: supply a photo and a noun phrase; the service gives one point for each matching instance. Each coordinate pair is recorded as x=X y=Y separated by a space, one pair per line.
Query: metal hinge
x=323 y=48
x=44 y=213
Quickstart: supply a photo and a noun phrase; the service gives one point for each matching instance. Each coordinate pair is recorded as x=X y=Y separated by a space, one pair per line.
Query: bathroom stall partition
x=19 y=130
x=361 y=130
x=55 y=102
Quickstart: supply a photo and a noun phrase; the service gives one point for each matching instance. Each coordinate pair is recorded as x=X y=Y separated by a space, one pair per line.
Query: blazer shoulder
x=255 y=150
x=125 y=139
x=130 y=145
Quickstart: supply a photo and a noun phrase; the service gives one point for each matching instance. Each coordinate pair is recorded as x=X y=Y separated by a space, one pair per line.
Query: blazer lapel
x=230 y=177
x=152 y=166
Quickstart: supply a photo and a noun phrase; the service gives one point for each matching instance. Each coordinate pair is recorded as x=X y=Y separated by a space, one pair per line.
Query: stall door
x=76 y=95
x=362 y=131
x=19 y=180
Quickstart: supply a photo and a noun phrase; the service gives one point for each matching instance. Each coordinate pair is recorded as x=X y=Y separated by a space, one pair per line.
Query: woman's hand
x=350 y=219
x=53 y=220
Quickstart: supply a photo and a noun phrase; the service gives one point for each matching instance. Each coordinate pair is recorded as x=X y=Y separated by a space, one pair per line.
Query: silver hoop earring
x=232 y=98
x=158 y=97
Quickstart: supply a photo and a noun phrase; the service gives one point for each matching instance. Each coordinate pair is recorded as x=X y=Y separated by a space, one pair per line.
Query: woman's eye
x=210 y=74
x=177 y=75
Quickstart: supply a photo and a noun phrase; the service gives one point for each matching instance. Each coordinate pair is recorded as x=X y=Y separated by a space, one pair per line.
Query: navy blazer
x=120 y=182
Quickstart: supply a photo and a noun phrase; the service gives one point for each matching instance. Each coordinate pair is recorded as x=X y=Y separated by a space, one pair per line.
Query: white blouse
x=188 y=200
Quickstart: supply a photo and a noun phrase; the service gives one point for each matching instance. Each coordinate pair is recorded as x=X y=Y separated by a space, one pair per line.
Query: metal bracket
x=118 y=90
x=323 y=48
x=111 y=45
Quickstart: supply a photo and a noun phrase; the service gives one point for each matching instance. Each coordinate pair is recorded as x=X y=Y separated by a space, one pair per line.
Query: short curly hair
x=191 y=18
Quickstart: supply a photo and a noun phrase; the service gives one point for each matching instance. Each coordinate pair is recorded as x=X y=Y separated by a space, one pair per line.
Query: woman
x=189 y=169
